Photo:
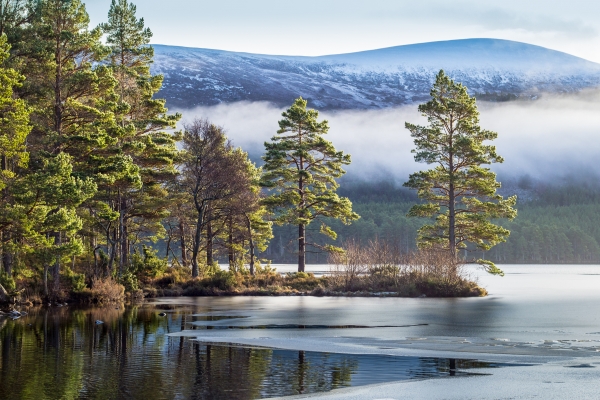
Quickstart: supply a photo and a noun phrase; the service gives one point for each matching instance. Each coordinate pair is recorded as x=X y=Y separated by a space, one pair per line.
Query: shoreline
x=7 y=305
x=234 y=284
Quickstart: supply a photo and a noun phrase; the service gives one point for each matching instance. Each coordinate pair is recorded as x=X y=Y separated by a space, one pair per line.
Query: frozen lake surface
x=543 y=320
x=548 y=315
x=532 y=310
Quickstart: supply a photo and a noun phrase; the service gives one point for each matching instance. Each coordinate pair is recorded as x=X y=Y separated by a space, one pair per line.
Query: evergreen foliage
x=145 y=153
x=301 y=169
x=14 y=129
x=557 y=224
x=458 y=191
x=89 y=157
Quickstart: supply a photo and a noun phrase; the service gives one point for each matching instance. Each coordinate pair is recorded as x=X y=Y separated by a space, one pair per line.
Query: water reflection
x=62 y=353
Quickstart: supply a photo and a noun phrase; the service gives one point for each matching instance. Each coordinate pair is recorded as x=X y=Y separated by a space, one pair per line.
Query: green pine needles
x=301 y=169
x=458 y=191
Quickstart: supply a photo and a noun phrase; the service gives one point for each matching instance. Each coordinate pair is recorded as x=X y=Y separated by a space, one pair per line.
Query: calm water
x=62 y=353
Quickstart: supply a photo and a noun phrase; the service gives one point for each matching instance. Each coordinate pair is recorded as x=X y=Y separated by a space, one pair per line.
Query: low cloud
x=547 y=139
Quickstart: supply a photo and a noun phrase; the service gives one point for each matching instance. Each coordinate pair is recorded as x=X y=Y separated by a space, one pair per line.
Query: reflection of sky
x=340 y=26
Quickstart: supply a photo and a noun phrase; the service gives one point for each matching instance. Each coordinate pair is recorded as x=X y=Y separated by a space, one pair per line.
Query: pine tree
x=74 y=104
x=142 y=202
x=458 y=191
x=14 y=120
x=14 y=129
x=53 y=195
x=77 y=101
x=14 y=14
x=243 y=216
x=301 y=169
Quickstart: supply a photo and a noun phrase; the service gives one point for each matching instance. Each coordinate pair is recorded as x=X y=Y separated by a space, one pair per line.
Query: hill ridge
x=377 y=78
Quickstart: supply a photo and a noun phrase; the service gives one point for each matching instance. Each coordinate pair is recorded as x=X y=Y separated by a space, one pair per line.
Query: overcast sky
x=318 y=27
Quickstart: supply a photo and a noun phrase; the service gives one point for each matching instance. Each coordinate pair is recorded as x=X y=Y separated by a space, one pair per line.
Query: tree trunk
x=58 y=106
x=4 y=298
x=301 y=227
x=112 y=249
x=251 y=246
x=230 y=242
x=123 y=234
x=125 y=248
x=301 y=247
x=182 y=241
x=209 y=245
x=7 y=259
x=169 y=250
x=96 y=272
x=46 y=267
x=451 y=204
x=196 y=247
x=56 y=268
x=94 y=246
x=7 y=256
x=451 y=221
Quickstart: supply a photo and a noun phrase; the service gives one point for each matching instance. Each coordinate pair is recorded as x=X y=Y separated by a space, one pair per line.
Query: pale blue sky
x=313 y=27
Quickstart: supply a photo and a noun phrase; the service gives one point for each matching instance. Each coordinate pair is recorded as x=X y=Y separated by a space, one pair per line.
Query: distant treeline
x=556 y=224
x=561 y=224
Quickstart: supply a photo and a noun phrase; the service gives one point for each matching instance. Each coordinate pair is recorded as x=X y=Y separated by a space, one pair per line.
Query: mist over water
x=552 y=138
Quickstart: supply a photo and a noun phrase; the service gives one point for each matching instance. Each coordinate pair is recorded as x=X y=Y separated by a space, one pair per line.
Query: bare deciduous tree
x=212 y=173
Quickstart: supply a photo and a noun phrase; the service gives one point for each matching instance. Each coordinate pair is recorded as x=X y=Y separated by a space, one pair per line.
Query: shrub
x=380 y=266
x=172 y=276
x=263 y=277
x=298 y=275
x=222 y=280
x=129 y=282
x=7 y=282
x=106 y=290
x=147 y=264
x=165 y=281
x=301 y=281
x=196 y=287
x=77 y=282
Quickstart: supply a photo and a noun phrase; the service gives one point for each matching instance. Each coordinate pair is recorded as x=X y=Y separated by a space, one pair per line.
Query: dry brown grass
x=103 y=290
x=382 y=267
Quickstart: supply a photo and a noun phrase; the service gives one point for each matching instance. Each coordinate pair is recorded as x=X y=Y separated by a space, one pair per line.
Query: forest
x=94 y=171
x=558 y=223
x=99 y=183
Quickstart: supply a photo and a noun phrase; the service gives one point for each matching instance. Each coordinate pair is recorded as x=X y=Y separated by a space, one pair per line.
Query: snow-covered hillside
x=369 y=79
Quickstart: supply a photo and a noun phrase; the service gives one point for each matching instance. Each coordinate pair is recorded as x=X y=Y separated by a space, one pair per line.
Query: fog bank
x=550 y=138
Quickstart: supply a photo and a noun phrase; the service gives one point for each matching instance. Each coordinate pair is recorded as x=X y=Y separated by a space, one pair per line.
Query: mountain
x=491 y=68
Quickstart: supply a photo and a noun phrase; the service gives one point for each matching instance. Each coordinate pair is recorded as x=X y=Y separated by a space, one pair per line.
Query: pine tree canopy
x=301 y=169
x=459 y=192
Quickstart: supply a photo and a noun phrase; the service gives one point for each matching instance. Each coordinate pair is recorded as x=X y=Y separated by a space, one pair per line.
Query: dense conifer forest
x=558 y=223
x=94 y=171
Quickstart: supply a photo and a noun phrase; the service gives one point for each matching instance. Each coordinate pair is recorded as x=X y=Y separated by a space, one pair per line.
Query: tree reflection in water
x=61 y=353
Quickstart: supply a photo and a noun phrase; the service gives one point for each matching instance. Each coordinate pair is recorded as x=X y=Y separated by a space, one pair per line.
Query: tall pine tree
x=458 y=191
x=74 y=108
x=300 y=170
x=14 y=129
x=141 y=201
